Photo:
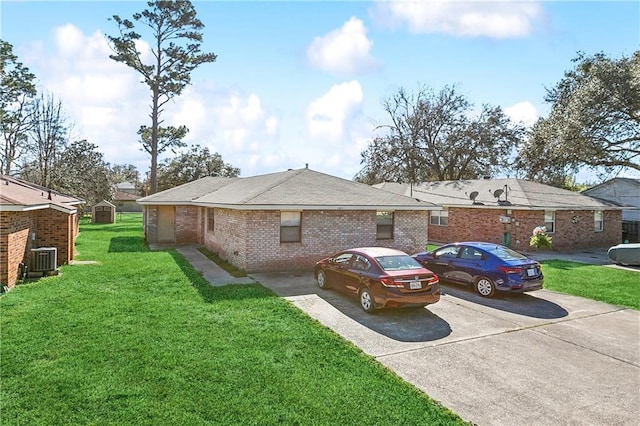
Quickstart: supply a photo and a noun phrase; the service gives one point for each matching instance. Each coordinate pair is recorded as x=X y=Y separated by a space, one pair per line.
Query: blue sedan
x=488 y=267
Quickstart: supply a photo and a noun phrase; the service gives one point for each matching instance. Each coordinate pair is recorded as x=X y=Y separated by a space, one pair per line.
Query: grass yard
x=140 y=338
x=611 y=285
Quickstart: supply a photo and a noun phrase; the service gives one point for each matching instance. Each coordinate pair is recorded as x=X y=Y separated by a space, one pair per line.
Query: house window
x=439 y=217
x=550 y=220
x=290 y=227
x=384 y=222
x=210 y=220
x=598 y=221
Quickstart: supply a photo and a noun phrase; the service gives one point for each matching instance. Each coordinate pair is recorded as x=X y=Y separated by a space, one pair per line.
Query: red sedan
x=381 y=278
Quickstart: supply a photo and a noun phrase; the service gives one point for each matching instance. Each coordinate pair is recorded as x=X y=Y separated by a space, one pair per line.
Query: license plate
x=532 y=272
x=414 y=285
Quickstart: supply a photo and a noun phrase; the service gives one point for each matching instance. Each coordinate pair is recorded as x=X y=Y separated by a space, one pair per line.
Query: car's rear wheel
x=366 y=300
x=321 y=278
x=485 y=287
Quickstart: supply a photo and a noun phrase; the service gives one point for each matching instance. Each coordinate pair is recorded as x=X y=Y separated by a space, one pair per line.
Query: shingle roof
x=515 y=193
x=18 y=195
x=125 y=196
x=294 y=189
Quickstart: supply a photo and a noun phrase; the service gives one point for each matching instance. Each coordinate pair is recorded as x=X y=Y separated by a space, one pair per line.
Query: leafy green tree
x=594 y=121
x=435 y=136
x=193 y=164
x=82 y=172
x=125 y=173
x=176 y=36
x=17 y=88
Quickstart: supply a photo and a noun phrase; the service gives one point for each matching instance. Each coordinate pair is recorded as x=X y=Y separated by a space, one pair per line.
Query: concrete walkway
x=214 y=274
x=542 y=358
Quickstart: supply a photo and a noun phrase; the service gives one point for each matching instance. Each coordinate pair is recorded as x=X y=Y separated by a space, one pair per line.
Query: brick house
x=32 y=217
x=285 y=220
x=624 y=191
x=506 y=211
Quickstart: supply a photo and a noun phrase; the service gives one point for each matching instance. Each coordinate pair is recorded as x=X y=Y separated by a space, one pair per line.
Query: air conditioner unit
x=44 y=259
x=505 y=219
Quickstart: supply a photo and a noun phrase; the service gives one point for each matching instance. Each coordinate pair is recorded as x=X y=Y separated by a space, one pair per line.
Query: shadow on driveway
x=403 y=325
x=525 y=304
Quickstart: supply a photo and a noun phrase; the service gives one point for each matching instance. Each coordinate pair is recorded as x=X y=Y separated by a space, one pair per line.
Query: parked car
x=625 y=254
x=381 y=278
x=488 y=267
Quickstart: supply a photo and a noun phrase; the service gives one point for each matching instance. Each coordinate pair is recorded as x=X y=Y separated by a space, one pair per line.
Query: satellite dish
x=498 y=192
x=473 y=195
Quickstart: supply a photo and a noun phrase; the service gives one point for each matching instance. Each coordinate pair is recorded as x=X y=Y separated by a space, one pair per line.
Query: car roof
x=476 y=244
x=377 y=251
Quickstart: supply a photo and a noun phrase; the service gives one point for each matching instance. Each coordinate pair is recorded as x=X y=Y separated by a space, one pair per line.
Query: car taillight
x=510 y=270
x=390 y=282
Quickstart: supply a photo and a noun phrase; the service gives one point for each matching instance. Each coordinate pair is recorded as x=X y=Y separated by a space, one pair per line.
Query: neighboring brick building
x=624 y=191
x=506 y=211
x=284 y=221
x=32 y=217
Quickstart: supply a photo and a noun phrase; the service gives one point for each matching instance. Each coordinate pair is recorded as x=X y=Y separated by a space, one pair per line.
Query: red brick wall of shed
x=484 y=225
x=251 y=239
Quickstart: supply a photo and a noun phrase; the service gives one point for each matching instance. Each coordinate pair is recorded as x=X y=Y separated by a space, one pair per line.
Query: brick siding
x=251 y=239
x=570 y=233
x=51 y=228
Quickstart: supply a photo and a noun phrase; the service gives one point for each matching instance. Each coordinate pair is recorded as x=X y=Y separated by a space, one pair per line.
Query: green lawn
x=611 y=285
x=140 y=338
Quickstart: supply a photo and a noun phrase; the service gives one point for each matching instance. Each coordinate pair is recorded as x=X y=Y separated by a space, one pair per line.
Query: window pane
x=289 y=218
x=384 y=218
x=549 y=220
x=434 y=219
x=385 y=232
x=598 y=222
x=289 y=234
x=444 y=220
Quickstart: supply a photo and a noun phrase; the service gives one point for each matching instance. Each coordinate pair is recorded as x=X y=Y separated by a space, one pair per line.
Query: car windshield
x=397 y=263
x=505 y=253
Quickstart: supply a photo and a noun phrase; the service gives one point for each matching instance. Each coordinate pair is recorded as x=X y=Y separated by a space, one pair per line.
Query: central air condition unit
x=44 y=259
x=505 y=219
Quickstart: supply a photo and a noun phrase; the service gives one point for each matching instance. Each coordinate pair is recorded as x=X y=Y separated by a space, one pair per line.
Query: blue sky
x=302 y=82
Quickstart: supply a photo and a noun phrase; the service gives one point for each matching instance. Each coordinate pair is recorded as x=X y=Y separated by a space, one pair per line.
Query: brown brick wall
x=51 y=228
x=189 y=224
x=484 y=225
x=251 y=239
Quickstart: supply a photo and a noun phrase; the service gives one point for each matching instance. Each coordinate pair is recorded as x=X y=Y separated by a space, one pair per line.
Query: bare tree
x=436 y=136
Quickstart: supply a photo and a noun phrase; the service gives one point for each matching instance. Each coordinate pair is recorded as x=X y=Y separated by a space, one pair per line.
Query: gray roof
x=516 y=194
x=302 y=189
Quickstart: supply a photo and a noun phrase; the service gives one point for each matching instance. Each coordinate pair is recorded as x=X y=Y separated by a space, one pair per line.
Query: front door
x=166 y=224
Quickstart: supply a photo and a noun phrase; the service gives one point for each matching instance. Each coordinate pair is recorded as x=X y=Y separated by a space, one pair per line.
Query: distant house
x=125 y=198
x=507 y=210
x=284 y=221
x=623 y=191
x=33 y=218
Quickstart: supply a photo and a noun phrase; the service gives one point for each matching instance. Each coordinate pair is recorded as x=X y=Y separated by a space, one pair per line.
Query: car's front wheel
x=321 y=278
x=366 y=300
x=485 y=287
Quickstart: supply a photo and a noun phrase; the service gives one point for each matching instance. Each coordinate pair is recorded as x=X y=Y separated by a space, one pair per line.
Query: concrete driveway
x=542 y=358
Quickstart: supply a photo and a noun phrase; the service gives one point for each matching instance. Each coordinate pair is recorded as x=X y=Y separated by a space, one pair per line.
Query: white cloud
x=326 y=116
x=343 y=51
x=493 y=19
x=524 y=112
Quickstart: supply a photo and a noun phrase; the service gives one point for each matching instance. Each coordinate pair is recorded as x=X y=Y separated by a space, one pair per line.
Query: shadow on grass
x=522 y=304
x=127 y=245
x=228 y=292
